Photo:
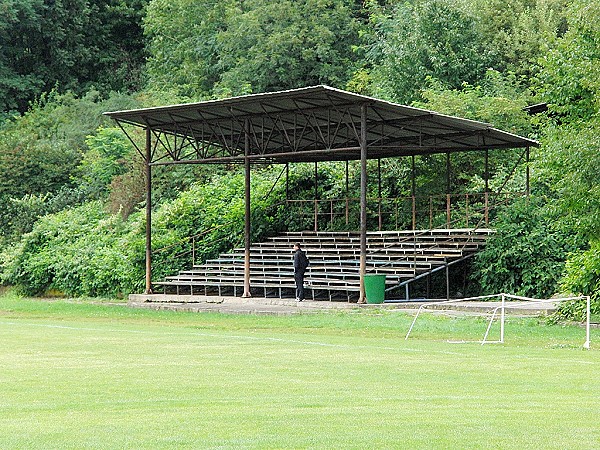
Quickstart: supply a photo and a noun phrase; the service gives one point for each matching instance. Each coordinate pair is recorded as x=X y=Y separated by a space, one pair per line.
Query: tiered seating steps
x=334 y=262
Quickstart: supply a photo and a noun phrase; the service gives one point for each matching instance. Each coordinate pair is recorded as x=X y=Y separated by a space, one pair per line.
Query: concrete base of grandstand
x=274 y=306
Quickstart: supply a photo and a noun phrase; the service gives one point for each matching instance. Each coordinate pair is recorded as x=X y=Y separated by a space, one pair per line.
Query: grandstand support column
x=316 y=205
x=347 y=193
x=363 y=201
x=247 y=223
x=527 y=173
x=379 y=193
x=487 y=187
x=413 y=190
x=447 y=279
x=148 y=173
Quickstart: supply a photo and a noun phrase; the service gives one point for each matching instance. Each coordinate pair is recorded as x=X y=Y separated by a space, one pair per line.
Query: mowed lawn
x=77 y=375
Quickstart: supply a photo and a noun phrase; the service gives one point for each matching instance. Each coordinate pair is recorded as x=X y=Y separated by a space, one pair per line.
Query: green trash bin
x=375 y=288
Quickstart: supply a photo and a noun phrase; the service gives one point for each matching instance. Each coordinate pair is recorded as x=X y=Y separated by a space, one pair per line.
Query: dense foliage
x=73 y=45
x=251 y=46
x=87 y=251
x=526 y=256
x=71 y=185
x=427 y=39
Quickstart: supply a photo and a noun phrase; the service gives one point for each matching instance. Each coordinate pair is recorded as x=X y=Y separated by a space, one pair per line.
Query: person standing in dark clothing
x=300 y=265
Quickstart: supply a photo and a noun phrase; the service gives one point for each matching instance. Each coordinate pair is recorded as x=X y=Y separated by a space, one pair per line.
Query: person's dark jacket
x=300 y=261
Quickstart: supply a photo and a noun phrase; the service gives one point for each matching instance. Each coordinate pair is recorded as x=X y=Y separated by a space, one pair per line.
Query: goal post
x=500 y=308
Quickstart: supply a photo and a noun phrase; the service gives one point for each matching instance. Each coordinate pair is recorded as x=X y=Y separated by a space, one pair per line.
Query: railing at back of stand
x=399 y=213
x=485 y=214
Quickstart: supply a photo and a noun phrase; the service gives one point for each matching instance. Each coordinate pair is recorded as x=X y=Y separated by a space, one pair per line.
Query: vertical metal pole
x=379 y=193
x=430 y=212
x=528 y=173
x=413 y=190
x=347 y=194
x=587 y=324
x=502 y=317
x=247 y=224
x=363 y=201
x=148 y=212
x=448 y=211
x=486 y=175
x=448 y=215
x=316 y=197
x=447 y=279
x=487 y=187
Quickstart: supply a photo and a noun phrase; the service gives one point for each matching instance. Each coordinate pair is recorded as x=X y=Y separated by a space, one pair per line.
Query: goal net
x=498 y=306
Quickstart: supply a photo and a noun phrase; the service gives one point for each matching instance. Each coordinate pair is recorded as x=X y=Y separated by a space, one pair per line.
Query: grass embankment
x=82 y=375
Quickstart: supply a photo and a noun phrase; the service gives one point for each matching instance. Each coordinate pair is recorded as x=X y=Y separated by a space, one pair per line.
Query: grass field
x=79 y=375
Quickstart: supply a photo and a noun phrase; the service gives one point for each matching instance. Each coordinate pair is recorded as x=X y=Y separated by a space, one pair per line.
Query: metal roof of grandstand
x=317 y=123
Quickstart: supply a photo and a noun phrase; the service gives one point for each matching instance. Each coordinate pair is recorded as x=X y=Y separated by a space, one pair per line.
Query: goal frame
x=525 y=301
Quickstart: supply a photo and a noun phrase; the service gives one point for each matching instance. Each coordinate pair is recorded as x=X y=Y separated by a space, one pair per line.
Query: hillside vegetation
x=71 y=186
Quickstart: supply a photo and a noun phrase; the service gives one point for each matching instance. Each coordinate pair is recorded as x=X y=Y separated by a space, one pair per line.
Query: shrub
x=527 y=254
x=582 y=277
x=18 y=215
x=75 y=251
x=86 y=251
x=216 y=209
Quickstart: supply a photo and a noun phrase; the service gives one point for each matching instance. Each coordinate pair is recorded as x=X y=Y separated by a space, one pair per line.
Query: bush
x=86 y=251
x=216 y=209
x=76 y=251
x=106 y=157
x=40 y=150
x=18 y=215
x=527 y=254
x=582 y=277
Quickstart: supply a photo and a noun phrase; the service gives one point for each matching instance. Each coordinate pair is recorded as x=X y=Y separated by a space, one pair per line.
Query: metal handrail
x=194 y=237
x=429 y=272
x=470 y=204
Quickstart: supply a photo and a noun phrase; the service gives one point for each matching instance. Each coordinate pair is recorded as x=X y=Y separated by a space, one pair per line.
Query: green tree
x=570 y=82
x=497 y=99
x=216 y=49
x=40 y=150
x=568 y=167
x=570 y=77
x=74 y=44
x=543 y=248
x=103 y=160
x=286 y=44
x=40 y=154
x=422 y=40
x=517 y=33
x=181 y=39
x=527 y=254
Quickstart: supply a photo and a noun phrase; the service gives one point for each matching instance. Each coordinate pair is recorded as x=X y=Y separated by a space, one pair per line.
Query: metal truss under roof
x=310 y=124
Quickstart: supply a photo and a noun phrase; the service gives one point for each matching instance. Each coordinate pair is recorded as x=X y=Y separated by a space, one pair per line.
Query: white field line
x=232 y=336
x=271 y=339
